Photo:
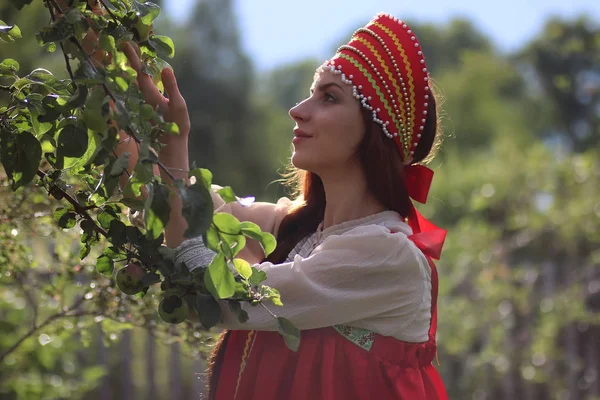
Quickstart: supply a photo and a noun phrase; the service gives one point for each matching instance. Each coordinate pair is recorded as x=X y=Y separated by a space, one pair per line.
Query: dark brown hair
x=387 y=185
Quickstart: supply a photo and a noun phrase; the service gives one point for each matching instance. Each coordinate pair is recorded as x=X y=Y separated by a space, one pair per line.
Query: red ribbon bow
x=428 y=237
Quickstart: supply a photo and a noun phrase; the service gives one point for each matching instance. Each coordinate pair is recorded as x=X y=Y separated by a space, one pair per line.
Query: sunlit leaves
x=219 y=279
x=105 y=265
x=9 y=33
x=76 y=120
x=266 y=239
x=164 y=46
x=9 y=67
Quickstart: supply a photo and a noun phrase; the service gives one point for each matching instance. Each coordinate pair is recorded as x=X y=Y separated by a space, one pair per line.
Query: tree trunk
x=125 y=371
x=152 y=392
x=104 y=361
x=175 y=381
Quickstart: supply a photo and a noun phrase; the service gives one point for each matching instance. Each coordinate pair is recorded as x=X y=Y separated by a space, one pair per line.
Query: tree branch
x=21 y=281
x=107 y=90
x=67 y=62
x=35 y=328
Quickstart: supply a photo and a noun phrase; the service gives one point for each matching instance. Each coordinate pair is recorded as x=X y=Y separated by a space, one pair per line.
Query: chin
x=301 y=162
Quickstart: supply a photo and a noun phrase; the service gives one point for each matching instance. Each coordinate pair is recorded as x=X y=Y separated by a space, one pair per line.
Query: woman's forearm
x=175 y=158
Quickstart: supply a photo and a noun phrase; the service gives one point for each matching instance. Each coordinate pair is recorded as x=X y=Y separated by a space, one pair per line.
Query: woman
x=353 y=261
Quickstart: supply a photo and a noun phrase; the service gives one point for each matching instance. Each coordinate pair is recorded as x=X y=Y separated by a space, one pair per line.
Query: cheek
x=348 y=129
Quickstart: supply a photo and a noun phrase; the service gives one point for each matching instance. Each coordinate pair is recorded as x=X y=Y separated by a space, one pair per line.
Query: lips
x=301 y=133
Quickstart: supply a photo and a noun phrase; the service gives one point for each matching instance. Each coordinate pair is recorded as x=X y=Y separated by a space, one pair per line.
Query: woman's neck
x=348 y=198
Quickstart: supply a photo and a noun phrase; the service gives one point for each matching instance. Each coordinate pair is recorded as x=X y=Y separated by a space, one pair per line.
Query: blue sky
x=280 y=31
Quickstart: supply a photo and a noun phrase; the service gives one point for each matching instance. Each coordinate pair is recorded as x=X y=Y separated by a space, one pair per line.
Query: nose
x=300 y=112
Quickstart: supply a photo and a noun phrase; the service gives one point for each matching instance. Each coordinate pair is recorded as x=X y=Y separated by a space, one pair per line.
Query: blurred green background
x=517 y=186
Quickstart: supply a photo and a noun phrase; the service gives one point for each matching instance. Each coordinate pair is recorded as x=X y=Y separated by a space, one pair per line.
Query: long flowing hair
x=384 y=171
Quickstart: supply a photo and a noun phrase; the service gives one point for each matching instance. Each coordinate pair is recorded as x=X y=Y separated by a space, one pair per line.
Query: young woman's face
x=332 y=121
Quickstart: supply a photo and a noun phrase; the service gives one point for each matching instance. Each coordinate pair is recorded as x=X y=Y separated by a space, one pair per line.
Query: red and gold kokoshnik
x=385 y=65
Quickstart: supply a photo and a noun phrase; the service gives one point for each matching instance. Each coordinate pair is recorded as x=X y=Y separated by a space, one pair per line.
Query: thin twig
x=67 y=62
x=79 y=209
x=109 y=11
x=55 y=4
x=270 y=312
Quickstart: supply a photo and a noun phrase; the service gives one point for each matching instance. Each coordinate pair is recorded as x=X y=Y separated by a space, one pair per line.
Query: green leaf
x=97 y=110
x=120 y=165
x=72 y=141
x=202 y=175
x=116 y=233
x=78 y=100
x=88 y=239
x=150 y=279
x=39 y=127
x=113 y=252
x=227 y=194
x=105 y=265
x=171 y=128
x=147 y=11
x=65 y=217
x=257 y=277
x=243 y=268
x=291 y=334
x=271 y=294
x=134 y=204
x=21 y=154
x=157 y=210
x=197 y=208
x=107 y=43
x=9 y=33
x=106 y=217
x=164 y=46
x=268 y=243
x=227 y=223
x=212 y=239
x=59 y=30
x=208 y=310
x=219 y=279
x=9 y=66
x=251 y=230
x=232 y=244
x=236 y=308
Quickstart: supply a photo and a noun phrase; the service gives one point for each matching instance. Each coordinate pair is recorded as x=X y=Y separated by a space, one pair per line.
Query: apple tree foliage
x=60 y=136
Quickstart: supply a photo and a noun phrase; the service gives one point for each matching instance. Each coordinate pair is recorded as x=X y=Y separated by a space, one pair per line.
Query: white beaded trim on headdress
x=405 y=132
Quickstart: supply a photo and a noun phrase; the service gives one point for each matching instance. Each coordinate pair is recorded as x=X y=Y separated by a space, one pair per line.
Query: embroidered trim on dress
x=363 y=338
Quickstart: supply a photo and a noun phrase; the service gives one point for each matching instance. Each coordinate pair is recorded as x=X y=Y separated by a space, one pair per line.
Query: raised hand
x=173 y=107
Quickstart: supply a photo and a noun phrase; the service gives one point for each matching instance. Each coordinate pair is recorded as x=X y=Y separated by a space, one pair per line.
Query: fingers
x=171 y=87
x=134 y=59
x=149 y=90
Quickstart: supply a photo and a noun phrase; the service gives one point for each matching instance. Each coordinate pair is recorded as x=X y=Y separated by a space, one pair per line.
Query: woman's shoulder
x=381 y=240
x=267 y=215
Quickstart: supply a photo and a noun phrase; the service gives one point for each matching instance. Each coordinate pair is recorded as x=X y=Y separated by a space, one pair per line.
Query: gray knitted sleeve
x=193 y=253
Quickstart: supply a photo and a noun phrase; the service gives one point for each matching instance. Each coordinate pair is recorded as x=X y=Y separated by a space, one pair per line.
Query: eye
x=328 y=97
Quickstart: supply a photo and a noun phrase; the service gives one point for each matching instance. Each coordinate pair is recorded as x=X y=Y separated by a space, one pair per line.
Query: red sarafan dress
x=344 y=360
x=331 y=363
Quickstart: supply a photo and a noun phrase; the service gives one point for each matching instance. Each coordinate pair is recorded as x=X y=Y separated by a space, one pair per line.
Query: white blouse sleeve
x=365 y=273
